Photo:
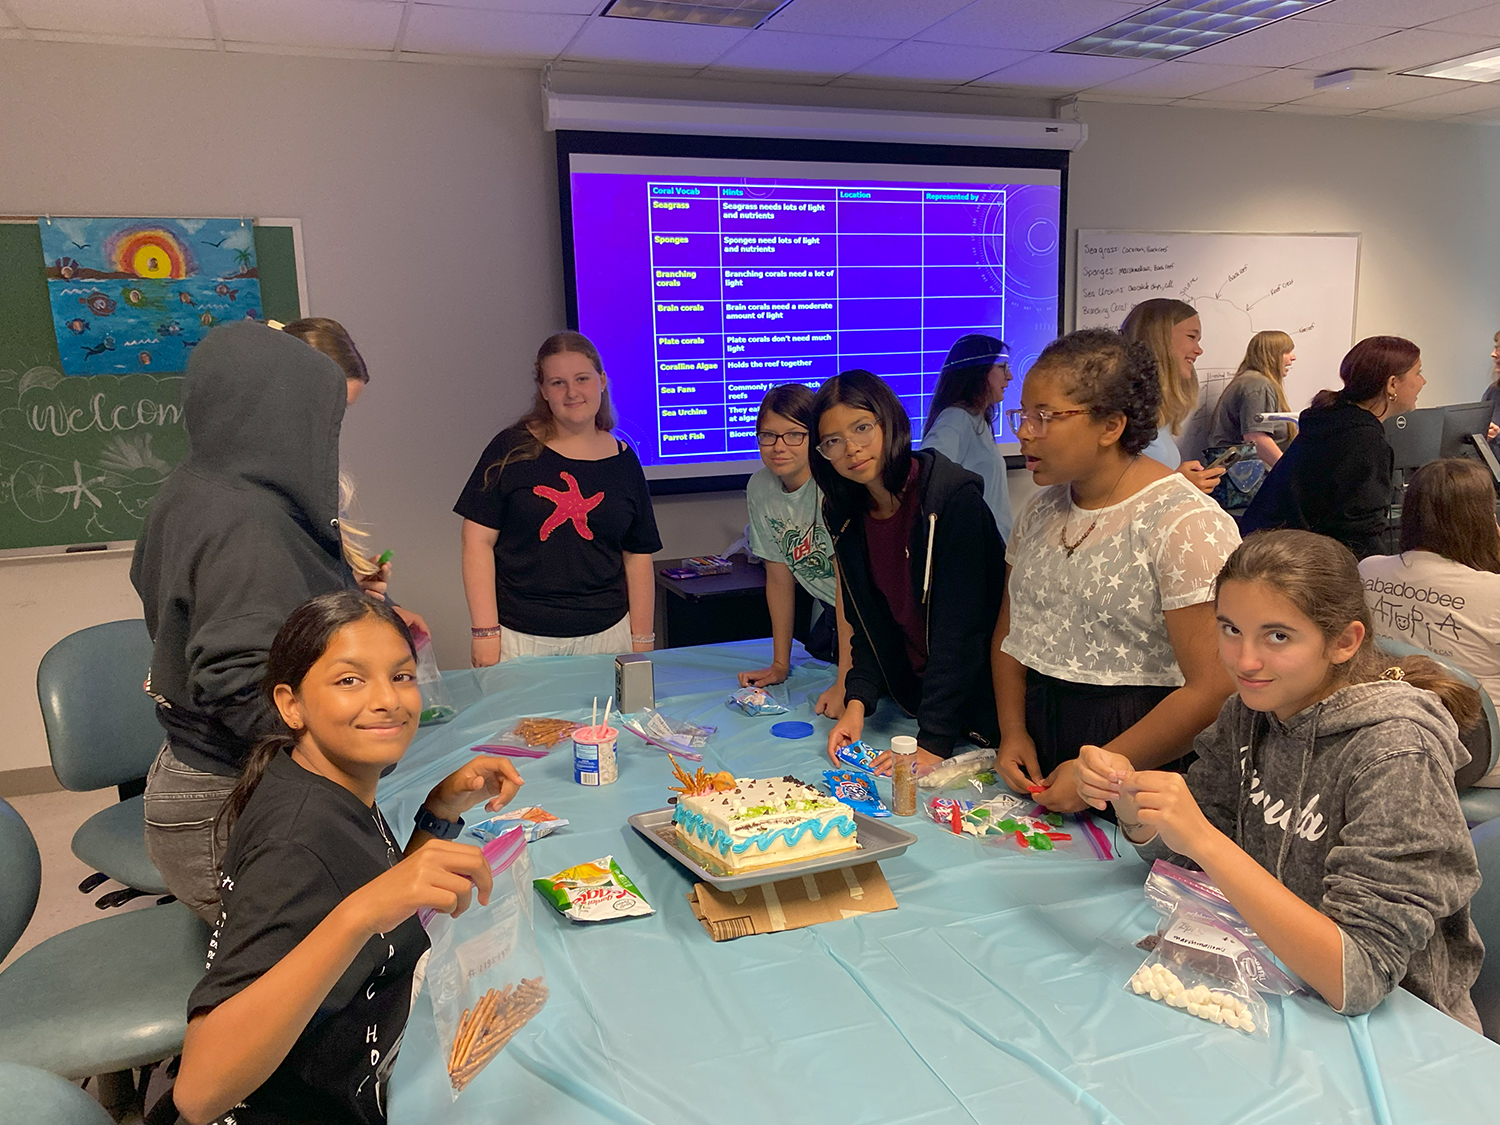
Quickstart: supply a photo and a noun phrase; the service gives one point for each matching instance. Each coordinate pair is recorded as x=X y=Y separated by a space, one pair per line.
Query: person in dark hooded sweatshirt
x=1322 y=803
x=1335 y=477
x=244 y=530
x=921 y=567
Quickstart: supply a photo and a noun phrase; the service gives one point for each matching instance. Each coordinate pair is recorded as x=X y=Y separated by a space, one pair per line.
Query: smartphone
x=1232 y=455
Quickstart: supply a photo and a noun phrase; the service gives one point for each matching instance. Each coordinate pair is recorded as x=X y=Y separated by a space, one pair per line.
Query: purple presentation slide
x=702 y=293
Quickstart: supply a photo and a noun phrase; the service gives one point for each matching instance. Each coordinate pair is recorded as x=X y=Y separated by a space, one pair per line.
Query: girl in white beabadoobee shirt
x=1322 y=802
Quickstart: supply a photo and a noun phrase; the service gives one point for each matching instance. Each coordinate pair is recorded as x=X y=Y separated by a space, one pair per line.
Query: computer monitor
x=1416 y=437
x=1459 y=421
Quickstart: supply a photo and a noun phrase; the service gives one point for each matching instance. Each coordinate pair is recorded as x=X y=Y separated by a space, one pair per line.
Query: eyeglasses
x=793 y=439
x=1038 y=419
x=833 y=446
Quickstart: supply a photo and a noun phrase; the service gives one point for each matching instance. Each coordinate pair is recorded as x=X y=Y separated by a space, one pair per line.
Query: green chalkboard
x=81 y=457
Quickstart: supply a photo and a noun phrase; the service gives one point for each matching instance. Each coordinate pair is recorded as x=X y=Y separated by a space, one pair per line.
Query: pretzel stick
x=471 y=1033
x=458 y=1037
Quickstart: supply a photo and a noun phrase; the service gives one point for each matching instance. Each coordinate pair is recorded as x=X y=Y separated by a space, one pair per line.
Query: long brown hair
x=1320 y=577
x=1151 y=323
x=1367 y=367
x=1449 y=509
x=1263 y=356
x=300 y=643
x=333 y=340
x=537 y=426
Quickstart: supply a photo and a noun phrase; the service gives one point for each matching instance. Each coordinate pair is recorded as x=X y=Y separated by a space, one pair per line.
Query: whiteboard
x=1241 y=284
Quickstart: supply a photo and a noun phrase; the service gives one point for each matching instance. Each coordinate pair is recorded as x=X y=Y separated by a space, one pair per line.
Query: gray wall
x=428 y=200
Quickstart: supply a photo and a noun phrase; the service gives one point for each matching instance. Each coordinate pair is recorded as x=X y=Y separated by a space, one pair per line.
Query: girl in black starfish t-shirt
x=302 y=1008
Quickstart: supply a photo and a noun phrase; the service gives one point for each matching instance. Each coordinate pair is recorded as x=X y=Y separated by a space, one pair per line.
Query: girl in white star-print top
x=1106 y=636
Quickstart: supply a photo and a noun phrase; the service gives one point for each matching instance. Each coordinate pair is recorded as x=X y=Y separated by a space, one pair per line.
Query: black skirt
x=1062 y=716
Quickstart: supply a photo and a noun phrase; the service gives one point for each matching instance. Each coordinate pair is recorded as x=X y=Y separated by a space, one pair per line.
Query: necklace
x=1062 y=535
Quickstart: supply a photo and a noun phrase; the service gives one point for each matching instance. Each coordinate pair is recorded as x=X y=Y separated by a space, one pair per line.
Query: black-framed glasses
x=859 y=436
x=792 y=439
x=1037 y=419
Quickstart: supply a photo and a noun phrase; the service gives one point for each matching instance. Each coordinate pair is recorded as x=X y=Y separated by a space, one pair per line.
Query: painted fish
x=98 y=304
x=145 y=358
x=78 y=326
x=133 y=296
x=206 y=319
x=170 y=328
x=223 y=290
x=106 y=345
x=186 y=298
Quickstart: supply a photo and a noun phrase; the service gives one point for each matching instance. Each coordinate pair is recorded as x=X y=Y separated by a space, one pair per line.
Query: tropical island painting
x=137 y=295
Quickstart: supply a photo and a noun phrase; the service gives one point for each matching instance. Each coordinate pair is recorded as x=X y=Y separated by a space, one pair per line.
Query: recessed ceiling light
x=1180 y=27
x=713 y=13
x=1483 y=66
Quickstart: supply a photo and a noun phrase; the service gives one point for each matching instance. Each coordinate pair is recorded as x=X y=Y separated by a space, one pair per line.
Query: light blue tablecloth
x=995 y=993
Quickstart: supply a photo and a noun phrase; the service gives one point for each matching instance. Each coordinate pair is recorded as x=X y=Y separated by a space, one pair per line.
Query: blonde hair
x=1151 y=323
x=352 y=536
x=537 y=425
x=1263 y=356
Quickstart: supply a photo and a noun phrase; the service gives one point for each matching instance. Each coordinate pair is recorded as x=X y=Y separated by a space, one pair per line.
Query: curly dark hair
x=1102 y=370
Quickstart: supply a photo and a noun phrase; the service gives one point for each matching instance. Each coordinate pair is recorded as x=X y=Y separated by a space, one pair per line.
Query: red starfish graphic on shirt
x=571 y=505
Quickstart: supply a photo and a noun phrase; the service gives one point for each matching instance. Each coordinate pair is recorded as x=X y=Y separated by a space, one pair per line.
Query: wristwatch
x=438 y=827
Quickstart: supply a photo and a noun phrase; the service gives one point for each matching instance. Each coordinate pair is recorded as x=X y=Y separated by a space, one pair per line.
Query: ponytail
x=1461 y=701
x=300 y=643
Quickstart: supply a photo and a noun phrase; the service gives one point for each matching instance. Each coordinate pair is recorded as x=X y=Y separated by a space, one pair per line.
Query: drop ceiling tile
x=935 y=62
x=802 y=54
x=347 y=24
x=883 y=19
x=1380 y=92
x=1481 y=21
x=139 y=19
x=1274 y=86
x=1207 y=102
x=1180 y=79
x=1287 y=42
x=1027 y=25
x=547 y=7
x=1065 y=73
x=1123 y=99
x=4 y=21
x=1401 y=50
x=1486 y=117
x=1315 y=110
x=468 y=31
x=645 y=41
x=12 y=33
x=1465 y=97
x=1390 y=13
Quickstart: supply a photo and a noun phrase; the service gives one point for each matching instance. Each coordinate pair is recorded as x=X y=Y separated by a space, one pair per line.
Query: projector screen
x=705 y=280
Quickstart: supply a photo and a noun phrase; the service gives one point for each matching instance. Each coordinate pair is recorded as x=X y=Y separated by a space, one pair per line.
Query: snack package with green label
x=593 y=892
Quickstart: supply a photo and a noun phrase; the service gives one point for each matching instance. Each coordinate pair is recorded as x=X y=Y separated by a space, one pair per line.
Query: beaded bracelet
x=643 y=638
x=487 y=631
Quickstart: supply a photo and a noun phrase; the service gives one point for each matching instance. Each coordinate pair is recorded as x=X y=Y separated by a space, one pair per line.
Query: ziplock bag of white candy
x=1170 y=886
x=677 y=736
x=1195 y=968
x=760 y=700
x=484 y=973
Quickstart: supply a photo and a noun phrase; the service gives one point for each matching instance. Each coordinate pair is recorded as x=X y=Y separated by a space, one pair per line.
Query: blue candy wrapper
x=534 y=821
x=757 y=701
x=857 y=790
x=860 y=755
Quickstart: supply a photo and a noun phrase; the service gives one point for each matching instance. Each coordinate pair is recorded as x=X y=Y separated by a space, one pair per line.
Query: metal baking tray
x=878 y=839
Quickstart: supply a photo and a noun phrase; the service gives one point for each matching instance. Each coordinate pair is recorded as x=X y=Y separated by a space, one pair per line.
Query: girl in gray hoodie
x=1322 y=802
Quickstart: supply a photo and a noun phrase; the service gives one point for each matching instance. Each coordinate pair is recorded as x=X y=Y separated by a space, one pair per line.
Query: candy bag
x=484 y=973
x=857 y=790
x=534 y=821
x=1196 y=966
x=676 y=736
x=1169 y=887
x=437 y=704
x=859 y=755
x=757 y=701
x=593 y=892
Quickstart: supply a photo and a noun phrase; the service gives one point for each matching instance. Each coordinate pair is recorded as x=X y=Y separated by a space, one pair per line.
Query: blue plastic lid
x=792 y=730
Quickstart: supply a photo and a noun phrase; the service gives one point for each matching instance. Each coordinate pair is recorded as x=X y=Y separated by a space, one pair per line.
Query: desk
x=995 y=993
x=718 y=607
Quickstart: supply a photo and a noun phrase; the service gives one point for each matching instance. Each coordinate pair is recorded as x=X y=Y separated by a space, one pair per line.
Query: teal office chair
x=103 y=998
x=101 y=732
x=1483 y=742
x=1485 y=910
x=39 y=1098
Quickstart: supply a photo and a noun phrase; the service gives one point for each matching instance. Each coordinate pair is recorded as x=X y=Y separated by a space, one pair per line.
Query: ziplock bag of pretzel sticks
x=484 y=972
x=1197 y=967
x=1169 y=887
x=437 y=704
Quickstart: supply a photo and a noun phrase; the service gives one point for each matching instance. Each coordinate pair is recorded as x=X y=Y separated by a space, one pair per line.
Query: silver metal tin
x=635 y=685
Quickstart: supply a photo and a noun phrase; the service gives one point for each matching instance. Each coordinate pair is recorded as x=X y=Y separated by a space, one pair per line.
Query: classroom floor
x=53 y=818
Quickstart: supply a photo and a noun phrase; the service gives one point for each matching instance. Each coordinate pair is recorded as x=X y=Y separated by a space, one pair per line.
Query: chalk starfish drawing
x=80 y=488
x=571 y=505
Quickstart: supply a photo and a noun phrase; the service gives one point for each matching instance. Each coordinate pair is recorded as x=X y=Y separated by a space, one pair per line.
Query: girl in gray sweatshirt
x=1322 y=802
